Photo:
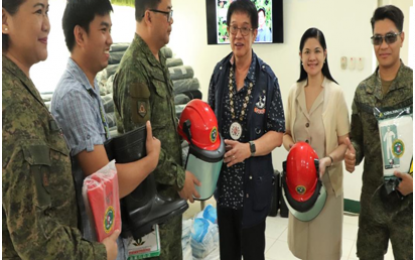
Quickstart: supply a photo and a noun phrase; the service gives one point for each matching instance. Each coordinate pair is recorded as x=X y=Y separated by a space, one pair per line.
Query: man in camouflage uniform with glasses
x=143 y=91
x=390 y=87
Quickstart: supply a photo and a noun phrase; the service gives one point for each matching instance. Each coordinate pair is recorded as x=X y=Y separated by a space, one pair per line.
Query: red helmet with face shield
x=199 y=126
x=303 y=191
x=203 y=125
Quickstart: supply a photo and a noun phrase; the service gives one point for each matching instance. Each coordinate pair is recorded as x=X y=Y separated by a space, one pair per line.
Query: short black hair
x=142 y=5
x=244 y=6
x=11 y=6
x=390 y=12
x=262 y=10
x=82 y=13
x=317 y=34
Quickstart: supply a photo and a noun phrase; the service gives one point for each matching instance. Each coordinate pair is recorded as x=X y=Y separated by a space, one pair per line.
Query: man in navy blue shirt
x=245 y=96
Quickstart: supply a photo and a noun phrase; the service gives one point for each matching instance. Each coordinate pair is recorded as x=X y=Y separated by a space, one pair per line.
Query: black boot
x=142 y=208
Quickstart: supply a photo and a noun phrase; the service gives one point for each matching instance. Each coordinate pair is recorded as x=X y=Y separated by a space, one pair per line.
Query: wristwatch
x=252 y=147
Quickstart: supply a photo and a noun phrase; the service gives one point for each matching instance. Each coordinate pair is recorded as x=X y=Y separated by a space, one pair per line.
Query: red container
x=104 y=203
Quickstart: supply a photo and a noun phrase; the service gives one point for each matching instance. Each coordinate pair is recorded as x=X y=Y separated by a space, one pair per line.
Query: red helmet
x=203 y=125
x=198 y=125
x=303 y=191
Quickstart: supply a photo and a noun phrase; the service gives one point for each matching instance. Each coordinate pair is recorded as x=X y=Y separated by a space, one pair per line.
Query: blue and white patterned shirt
x=78 y=109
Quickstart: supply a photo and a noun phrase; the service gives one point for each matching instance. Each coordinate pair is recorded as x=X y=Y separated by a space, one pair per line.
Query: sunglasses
x=390 y=38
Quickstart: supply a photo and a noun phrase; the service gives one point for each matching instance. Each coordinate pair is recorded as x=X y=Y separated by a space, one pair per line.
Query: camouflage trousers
x=373 y=237
x=171 y=240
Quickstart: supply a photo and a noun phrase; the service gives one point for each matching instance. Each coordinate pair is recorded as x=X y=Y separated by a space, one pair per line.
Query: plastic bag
x=186 y=232
x=396 y=138
x=214 y=255
x=102 y=201
x=187 y=253
x=205 y=234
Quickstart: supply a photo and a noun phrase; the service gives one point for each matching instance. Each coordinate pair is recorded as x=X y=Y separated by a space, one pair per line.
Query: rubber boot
x=142 y=208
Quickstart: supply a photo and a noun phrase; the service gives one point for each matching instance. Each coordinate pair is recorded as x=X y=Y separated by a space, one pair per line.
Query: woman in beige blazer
x=317 y=114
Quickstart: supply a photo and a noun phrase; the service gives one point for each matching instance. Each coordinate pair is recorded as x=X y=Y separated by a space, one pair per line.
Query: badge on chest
x=235 y=130
x=141 y=106
x=260 y=105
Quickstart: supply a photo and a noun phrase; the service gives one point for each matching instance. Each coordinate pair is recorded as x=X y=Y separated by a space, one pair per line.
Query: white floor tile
x=280 y=251
x=275 y=226
x=352 y=254
x=350 y=231
x=347 y=246
x=389 y=254
x=269 y=242
x=284 y=235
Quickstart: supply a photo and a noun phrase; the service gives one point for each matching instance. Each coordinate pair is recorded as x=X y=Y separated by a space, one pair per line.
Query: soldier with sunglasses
x=390 y=87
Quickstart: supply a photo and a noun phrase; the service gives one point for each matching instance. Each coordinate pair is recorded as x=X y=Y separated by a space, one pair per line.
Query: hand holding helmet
x=237 y=152
x=189 y=189
x=198 y=126
x=303 y=192
x=323 y=163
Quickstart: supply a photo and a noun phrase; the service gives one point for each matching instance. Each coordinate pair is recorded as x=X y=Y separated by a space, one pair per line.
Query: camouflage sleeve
x=35 y=232
x=168 y=172
x=356 y=132
x=135 y=109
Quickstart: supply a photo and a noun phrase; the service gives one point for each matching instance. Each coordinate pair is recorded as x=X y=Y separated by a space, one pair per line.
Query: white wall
x=46 y=74
x=405 y=6
x=411 y=39
x=346 y=25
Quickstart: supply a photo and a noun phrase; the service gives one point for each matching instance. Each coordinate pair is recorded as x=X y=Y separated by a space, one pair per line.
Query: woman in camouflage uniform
x=39 y=207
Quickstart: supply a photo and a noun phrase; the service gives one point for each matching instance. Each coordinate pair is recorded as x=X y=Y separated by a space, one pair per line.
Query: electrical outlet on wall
x=352 y=63
x=360 y=63
x=343 y=62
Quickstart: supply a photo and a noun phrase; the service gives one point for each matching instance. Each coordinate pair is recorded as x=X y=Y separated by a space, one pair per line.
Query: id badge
x=396 y=135
x=145 y=247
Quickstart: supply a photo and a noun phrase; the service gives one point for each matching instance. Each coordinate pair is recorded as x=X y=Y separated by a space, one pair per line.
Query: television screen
x=270 y=22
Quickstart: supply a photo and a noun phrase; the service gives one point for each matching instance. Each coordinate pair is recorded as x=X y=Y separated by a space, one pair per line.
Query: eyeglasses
x=390 y=38
x=168 y=14
x=244 y=30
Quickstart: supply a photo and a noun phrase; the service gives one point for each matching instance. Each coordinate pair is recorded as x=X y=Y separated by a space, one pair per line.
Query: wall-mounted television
x=270 y=20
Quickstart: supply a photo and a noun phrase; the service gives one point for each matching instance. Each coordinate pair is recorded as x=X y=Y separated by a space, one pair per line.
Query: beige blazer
x=335 y=120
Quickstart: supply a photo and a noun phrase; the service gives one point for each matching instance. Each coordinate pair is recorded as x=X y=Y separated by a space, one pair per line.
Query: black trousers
x=236 y=241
